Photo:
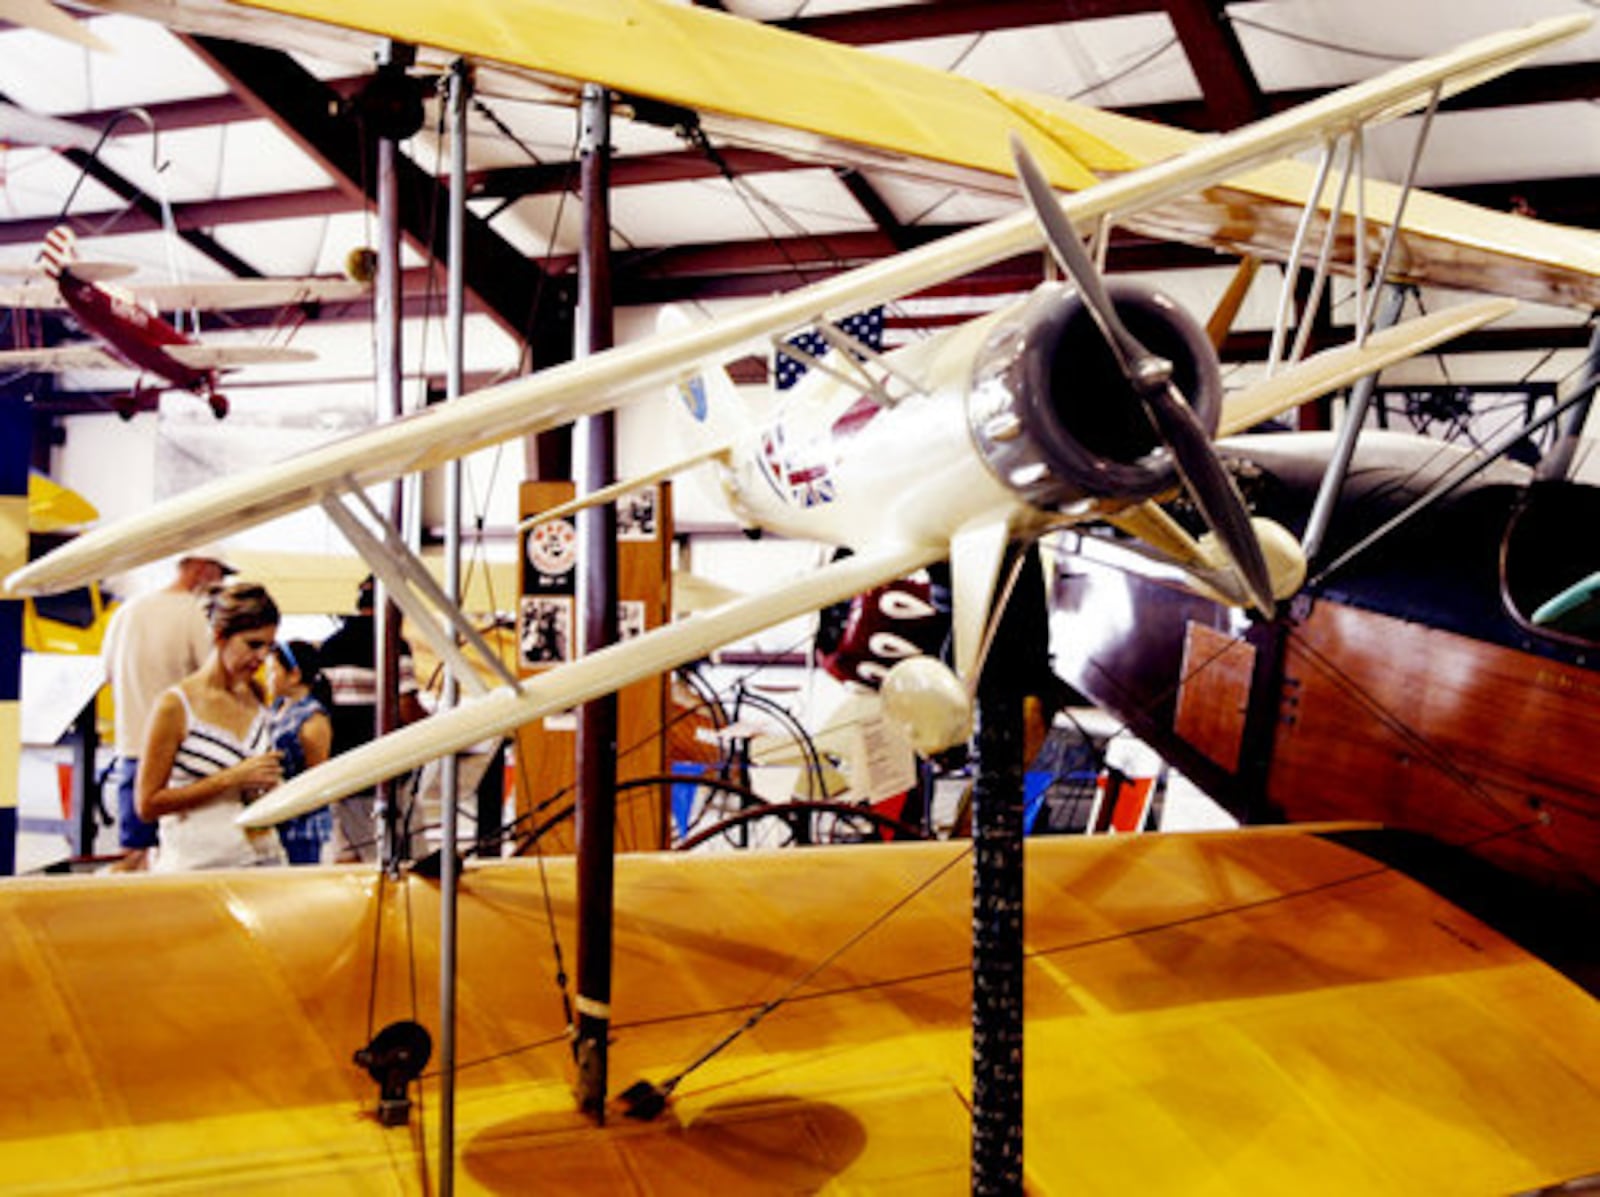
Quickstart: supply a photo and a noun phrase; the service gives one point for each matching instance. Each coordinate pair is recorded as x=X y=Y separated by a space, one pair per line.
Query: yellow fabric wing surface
x=1245 y=1013
x=720 y=64
x=878 y=108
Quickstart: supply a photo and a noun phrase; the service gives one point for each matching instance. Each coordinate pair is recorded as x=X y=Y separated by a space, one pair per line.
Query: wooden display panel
x=547 y=614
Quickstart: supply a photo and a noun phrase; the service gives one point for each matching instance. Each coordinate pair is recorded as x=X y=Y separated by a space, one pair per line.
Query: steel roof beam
x=945 y=18
x=1232 y=95
x=508 y=285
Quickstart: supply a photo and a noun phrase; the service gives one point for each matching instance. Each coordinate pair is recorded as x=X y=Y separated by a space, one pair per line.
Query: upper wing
x=212 y=296
x=826 y=96
x=764 y=85
x=232 y=294
x=227 y=357
x=84 y=355
x=40 y=293
x=588 y=677
x=592 y=384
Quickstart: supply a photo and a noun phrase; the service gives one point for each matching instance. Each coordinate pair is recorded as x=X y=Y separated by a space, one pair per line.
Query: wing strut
x=1580 y=392
x=413 y=589
x=1366 y=297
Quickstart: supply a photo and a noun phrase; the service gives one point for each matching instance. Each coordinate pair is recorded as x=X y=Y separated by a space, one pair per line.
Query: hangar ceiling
x=265 y=167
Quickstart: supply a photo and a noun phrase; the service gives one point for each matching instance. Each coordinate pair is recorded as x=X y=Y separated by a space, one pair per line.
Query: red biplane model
x=132 y=333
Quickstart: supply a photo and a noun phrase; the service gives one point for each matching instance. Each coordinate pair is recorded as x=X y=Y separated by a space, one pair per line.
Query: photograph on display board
x=544 y=630
x=630 y=619
x=549 y=555
x=636 y=514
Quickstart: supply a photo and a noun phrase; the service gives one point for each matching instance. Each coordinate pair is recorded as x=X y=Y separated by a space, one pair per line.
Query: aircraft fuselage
x=1019 y=415
x=134 y=334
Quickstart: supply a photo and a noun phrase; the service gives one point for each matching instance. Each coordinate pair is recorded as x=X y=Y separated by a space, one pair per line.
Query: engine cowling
x=1053 y=416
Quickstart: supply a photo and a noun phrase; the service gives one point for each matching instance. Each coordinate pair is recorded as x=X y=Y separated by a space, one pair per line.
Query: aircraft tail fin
x=708 y=409
x=60 y=250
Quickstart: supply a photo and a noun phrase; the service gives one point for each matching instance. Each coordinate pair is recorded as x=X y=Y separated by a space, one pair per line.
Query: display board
x=547 y=636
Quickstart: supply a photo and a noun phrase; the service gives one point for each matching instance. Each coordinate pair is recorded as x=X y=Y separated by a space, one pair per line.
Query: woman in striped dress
x=207 y=749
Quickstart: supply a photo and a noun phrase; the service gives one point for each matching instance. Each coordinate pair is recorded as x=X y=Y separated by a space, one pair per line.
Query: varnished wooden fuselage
x=1406 y=690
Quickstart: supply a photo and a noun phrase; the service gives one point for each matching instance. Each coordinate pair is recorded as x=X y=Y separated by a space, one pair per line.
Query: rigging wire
x=660 y=1092
x=1441 y=760
x=1138 y=64
x=1306 y=39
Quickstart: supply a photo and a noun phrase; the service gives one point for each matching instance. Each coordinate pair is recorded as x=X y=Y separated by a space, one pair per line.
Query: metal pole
x=455 y=320
x=594 y=449
x=386 y=298
x=16 y=442
x=997 y=910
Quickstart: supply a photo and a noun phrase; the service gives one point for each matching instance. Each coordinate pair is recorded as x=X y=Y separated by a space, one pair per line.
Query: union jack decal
x=806 y=485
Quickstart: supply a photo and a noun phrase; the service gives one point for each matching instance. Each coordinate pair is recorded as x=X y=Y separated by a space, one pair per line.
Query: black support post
x=997 y=882
x=595 y=448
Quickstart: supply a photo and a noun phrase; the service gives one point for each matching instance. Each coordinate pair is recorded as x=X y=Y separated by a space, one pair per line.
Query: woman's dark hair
x=240 y=607
x=305 y=659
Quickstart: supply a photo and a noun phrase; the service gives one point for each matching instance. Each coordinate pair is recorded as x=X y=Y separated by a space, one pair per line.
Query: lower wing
x=586 y=678
x=228 y=357
x=82 y=356
x=1269 y=1011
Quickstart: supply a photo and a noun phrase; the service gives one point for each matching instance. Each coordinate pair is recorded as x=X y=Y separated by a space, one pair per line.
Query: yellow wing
x=765 y=85
x=1250 y=1012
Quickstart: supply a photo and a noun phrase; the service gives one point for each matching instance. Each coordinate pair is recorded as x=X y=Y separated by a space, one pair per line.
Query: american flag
x=866 y=327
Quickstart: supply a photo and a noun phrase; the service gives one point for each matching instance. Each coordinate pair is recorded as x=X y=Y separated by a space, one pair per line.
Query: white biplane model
x=1213 y=1012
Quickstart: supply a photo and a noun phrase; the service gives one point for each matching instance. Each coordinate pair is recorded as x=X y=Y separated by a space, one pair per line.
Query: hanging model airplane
x=133 y=334
x=1266 y=999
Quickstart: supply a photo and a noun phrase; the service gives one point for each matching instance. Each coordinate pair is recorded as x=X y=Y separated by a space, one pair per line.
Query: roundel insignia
x=693 y=394
x=551 y=547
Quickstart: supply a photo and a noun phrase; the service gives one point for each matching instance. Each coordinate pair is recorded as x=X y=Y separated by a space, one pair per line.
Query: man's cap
x=212 y=553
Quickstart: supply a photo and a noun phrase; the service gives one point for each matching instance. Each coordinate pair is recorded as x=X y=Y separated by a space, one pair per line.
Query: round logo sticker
x=552 y=547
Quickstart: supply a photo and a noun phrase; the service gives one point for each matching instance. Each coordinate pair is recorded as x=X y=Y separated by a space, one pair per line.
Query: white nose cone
x=926 y=698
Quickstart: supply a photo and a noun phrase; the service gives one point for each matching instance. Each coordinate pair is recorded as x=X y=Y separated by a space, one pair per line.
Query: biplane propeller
x=1150 y=379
